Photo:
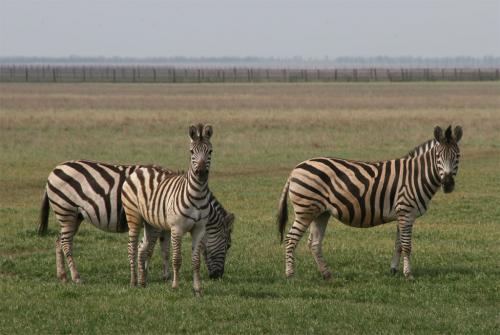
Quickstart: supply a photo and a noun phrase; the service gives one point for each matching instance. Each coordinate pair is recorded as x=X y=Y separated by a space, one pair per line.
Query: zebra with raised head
x=179 y=203
x=364 y=195
x=92 y=190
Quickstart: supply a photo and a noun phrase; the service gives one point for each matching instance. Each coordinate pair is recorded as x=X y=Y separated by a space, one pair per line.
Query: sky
x=239 y=28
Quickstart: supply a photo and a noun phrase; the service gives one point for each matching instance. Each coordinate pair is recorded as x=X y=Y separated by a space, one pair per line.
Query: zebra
x=215 y=242
x=83 y=189
x=364 y=195
x=163 y=201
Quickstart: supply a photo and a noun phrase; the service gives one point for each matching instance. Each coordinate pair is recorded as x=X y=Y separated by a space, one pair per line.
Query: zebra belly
x=367 y=220
x=103 y=223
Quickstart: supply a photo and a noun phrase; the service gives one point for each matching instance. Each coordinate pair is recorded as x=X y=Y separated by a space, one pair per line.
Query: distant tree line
x=269 y=62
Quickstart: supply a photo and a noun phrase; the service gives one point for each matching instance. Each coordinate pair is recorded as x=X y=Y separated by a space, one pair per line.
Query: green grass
x=260 y=133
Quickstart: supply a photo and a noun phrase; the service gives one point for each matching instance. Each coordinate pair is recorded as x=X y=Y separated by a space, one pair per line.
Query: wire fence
x=165 y=74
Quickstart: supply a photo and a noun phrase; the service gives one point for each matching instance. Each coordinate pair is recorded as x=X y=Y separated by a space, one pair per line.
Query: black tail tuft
x=44 y=215
x=283 y=211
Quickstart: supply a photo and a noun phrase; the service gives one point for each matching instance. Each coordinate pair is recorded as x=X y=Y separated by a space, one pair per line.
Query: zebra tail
x=44 y=215
x=283 y=210
x=122 y=221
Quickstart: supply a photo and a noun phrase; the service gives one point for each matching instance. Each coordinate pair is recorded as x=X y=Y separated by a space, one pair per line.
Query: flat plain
x=261 y=131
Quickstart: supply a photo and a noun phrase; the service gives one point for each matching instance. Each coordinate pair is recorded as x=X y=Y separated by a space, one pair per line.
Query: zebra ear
x=193 y=132
x=457 y=133
x=438 y=134
x=207 y=131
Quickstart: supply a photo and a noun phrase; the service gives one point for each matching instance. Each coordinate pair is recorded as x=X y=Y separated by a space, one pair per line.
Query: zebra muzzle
x=448 y=183
x=201 y=169
x=217 y=274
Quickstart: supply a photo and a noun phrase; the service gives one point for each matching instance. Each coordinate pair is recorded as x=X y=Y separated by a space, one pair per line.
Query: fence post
x=26 y=70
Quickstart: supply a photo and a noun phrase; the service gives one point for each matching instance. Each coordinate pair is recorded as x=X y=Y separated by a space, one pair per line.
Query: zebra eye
x=210 y=152
x=191 y=151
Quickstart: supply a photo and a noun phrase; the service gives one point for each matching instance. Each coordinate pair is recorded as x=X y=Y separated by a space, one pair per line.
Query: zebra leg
x=69 y=227
x=299 y=227
x=197 y=234
x=397 y=253
x=61 y=272
x=134 y=221
x=165 y=253
x=317 y=232
x=145 y=252
x=176 y=256
x=405 y=224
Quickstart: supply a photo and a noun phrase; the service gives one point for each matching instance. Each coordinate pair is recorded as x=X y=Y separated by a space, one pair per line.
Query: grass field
x=260 y=133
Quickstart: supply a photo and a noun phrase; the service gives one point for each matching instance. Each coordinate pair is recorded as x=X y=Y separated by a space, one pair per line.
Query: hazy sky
x=277 y=28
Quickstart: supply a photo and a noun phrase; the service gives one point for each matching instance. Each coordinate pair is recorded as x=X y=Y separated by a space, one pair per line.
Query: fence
x=164 y=74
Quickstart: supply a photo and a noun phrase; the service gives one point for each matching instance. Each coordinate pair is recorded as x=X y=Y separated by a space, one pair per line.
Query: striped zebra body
x=78 y=190
x=364 y=195
x=85 y=189
x=214 y=244
x=178 y=203
x=217 y=239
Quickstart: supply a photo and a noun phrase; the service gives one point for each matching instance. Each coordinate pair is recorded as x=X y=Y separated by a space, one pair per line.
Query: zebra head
x=217 y=242
x=201 y=149
x=447 y=155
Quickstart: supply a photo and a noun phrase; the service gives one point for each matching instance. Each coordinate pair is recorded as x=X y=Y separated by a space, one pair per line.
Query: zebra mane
x=420 y=149
x=165 y=170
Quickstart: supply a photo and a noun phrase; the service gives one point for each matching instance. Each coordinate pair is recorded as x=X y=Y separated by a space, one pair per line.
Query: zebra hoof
x=290 y=276
x=394 y=271
x=409 y=277
x=62 y=278
x=78 y=281
x=327 y=276
x=198 y=293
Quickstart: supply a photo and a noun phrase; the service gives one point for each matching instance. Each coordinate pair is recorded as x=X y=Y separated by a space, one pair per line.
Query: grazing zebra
x=163 y=201
x=214 y=244
x=85 y=189
x=364 y=195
